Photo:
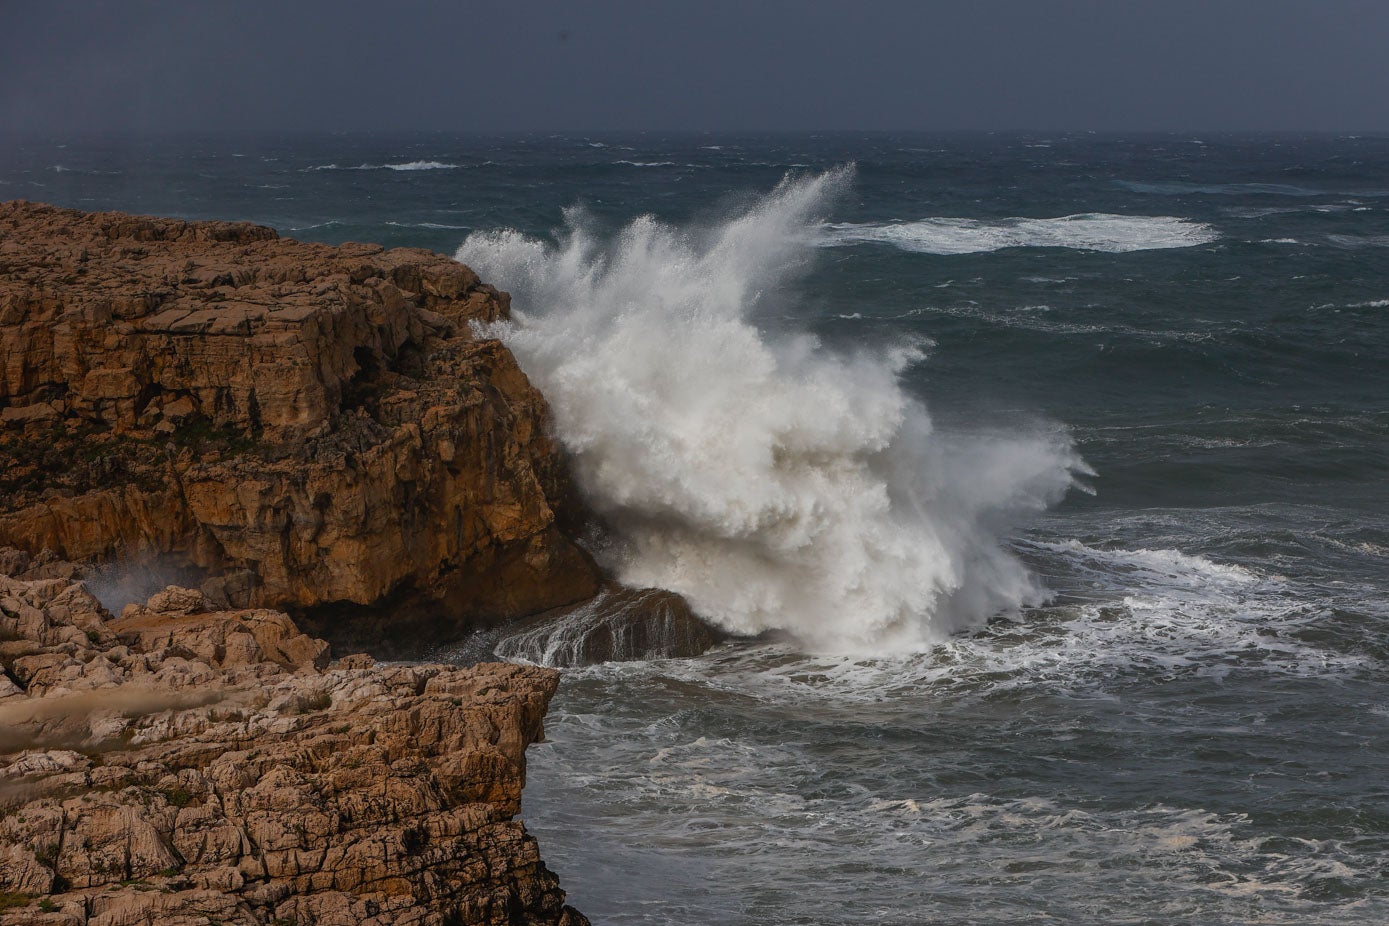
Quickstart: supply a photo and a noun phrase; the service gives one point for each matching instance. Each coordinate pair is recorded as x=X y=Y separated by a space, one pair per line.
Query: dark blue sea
x=1047 y=474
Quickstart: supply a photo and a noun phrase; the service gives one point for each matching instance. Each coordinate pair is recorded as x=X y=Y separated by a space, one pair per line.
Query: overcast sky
x=500 y=65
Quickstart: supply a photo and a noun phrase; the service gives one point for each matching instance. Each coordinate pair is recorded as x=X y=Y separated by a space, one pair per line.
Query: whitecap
x=421 y=165
x=407 y=166
x=434 y=225
x=1086 y=232
x=329 y=224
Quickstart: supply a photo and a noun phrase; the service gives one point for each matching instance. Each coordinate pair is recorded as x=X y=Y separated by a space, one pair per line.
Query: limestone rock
x=307 y=425
x=191 y=767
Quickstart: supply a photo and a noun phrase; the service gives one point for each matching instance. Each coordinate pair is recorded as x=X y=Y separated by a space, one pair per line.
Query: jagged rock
x=309 y=425
x=192 y=768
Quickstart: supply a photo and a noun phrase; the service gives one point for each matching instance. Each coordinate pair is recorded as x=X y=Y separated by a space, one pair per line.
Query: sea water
x=1052 y=472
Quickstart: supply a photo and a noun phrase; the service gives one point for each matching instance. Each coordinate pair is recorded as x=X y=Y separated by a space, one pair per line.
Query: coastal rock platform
x=183 y=764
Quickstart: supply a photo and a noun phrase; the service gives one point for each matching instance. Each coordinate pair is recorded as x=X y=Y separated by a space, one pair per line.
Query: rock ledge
x=188 y=765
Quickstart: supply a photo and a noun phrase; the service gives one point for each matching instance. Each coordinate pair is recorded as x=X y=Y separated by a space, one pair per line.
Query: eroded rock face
x=309 y=425
x=187 y=765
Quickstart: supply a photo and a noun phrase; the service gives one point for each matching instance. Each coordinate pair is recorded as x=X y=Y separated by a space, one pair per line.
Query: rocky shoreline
x=300 y=425
x=185 y=765
x=305 y=437
x=324 y=430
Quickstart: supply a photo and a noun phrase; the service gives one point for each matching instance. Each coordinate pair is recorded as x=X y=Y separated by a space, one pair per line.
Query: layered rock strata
x=305 y=425
x=185 y=765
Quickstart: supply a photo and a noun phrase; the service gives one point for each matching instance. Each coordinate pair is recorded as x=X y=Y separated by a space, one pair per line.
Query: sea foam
x=775 y=484
x=1090 y=232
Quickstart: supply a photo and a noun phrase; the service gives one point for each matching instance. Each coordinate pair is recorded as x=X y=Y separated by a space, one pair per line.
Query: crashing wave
x=773 y=483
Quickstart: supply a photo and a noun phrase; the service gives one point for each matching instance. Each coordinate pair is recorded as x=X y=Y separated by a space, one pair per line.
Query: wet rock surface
x=618 y=624
x=183 y=764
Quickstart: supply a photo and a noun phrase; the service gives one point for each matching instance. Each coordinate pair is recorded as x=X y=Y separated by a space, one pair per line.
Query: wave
x=777 y=485
x=335 y=223
x=1182 y=188
x=1242 y=212
x=1356 y=242
x=782 y=812
x=1089 y=232
x=433 y=225
x=408 y=165
x=91 y=171
x=1131 y=613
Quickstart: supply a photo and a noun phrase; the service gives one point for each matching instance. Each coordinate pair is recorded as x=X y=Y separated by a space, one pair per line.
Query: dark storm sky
x=495 y=65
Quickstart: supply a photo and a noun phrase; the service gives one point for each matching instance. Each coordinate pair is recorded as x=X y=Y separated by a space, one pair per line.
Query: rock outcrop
x=617 y=625
x=305 y=426
x=187 y=765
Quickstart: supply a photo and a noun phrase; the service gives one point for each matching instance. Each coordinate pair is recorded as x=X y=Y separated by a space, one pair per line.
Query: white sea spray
x=774 y=483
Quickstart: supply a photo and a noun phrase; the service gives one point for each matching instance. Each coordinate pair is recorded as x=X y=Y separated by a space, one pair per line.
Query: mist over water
x=775 y=483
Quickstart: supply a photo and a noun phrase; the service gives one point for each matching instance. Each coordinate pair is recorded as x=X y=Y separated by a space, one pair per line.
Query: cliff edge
x=301 y=426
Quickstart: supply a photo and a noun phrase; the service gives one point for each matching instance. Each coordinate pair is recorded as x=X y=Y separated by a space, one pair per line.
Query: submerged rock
x=184 y=766
x=619 y=624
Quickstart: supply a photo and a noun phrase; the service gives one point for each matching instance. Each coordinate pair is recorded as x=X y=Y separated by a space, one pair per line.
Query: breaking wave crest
x=1092 y=232
x=775 y=484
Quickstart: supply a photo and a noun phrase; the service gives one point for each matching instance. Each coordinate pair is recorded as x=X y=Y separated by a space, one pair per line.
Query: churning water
x=1058 y=466
x=777 y=485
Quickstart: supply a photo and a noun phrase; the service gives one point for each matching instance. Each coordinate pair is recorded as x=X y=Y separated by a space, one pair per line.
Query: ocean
x=1046 y=475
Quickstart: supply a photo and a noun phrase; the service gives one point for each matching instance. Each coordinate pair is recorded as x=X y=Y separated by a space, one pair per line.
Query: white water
x=408 y=165
x=777 y=485
x=1094 y=232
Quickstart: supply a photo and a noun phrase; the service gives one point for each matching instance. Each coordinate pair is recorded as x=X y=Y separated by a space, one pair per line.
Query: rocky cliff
x=183 y=765
x=297 y=424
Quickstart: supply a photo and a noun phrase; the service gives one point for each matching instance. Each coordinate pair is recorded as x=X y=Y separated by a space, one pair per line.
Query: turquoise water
x=1191 y=728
